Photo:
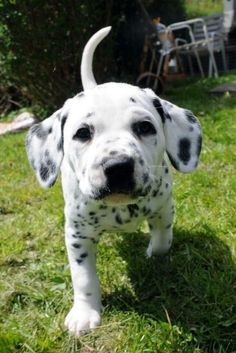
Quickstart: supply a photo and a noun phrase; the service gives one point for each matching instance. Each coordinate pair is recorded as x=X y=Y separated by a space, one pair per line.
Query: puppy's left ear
x=44 y=147
x=182 y=133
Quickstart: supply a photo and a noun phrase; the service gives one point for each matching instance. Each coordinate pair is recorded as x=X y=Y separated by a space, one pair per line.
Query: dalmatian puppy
x=111 y=143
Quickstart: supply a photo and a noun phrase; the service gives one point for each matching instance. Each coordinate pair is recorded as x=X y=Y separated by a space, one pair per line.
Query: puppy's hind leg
x=161 y=230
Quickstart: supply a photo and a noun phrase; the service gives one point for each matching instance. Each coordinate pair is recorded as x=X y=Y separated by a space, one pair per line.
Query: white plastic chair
x=205 y=35
x=215 y=29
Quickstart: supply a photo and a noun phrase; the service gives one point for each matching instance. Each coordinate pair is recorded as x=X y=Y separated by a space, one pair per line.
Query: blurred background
x=41 y=43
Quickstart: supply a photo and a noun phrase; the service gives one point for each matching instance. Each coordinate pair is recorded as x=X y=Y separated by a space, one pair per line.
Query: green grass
x=198 y=8
x=182 y=303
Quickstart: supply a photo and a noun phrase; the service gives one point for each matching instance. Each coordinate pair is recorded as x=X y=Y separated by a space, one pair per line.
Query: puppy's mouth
x=114 y=195
x=122 y=197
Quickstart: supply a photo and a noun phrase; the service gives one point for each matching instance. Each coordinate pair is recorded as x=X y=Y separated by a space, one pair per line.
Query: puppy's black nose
x=120 y=174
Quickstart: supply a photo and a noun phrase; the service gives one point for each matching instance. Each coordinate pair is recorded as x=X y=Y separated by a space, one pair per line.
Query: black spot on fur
x=79 y=261
x=184 y=150
x=173 y=161
x=63 y=121
x=39 y=131
x=51 y=165
x=141 y=161
x=75 y=236
x=82 y=236
x=146 y=210
x=90 y=114
x=118 y=219
x=113 y=153
x=134 y=147
x=102 y=207
x=191 y=118
x=157 y=104
x=132 y=100
x=145 y=178
x=88 y=294
x=155 y=192
x=199 y=145
x=132 y=208
x=104 y=160
x=49 y=162
x=76 y=245
x=84 y=255
x=44 y=172
x=169 y=226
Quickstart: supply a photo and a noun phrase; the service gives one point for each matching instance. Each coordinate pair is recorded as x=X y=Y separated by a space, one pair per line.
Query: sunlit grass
x=198 y=8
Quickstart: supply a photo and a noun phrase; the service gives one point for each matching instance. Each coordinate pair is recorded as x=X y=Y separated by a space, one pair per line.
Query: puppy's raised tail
x=87 y=77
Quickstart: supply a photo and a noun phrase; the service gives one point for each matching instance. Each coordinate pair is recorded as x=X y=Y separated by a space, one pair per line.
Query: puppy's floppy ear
x=44 y=147
x=182 y=133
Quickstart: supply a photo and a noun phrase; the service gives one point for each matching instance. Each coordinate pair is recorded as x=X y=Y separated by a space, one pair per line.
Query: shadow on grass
x=192 y=287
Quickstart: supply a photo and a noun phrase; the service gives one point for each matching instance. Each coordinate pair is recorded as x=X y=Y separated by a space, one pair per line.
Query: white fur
x=111 y=110
x=87 y=76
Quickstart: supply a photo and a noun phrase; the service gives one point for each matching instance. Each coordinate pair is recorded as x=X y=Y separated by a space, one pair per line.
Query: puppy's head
x=113 y=137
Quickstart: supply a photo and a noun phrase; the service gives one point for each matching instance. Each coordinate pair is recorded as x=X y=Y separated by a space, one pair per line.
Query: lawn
x=196 y=8
x=181 y=303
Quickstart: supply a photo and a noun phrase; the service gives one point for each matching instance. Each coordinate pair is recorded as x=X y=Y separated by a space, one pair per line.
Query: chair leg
x=213 y=63
x=199 y=63
x=151 y=65
x=225 y=66
x=159 y=66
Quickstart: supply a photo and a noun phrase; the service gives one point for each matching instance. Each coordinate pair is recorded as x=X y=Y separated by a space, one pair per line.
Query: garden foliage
x=42 y=42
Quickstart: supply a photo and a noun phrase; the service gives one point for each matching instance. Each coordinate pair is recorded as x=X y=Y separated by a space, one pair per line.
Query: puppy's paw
x=81 y=318
x=158 y=251
x=159 y=246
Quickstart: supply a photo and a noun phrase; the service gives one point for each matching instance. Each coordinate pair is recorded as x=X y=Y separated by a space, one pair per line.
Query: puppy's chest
x=125 y=218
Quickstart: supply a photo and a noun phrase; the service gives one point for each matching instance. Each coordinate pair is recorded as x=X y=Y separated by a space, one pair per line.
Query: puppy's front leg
x=85 y=313
x=161 y=230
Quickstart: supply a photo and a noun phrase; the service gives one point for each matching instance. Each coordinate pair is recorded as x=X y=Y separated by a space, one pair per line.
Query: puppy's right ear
x=44 y=146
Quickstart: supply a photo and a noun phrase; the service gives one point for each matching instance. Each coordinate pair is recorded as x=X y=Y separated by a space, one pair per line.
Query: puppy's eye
x=143 y=128
x=83 y=134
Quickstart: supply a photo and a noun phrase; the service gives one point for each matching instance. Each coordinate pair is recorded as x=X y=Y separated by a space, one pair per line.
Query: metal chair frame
x=205 y=34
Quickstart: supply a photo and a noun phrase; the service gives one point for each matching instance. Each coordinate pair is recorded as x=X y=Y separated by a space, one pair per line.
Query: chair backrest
x=215 y=30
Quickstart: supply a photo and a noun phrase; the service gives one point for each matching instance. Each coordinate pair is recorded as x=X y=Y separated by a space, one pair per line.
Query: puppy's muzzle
x=119 y=174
